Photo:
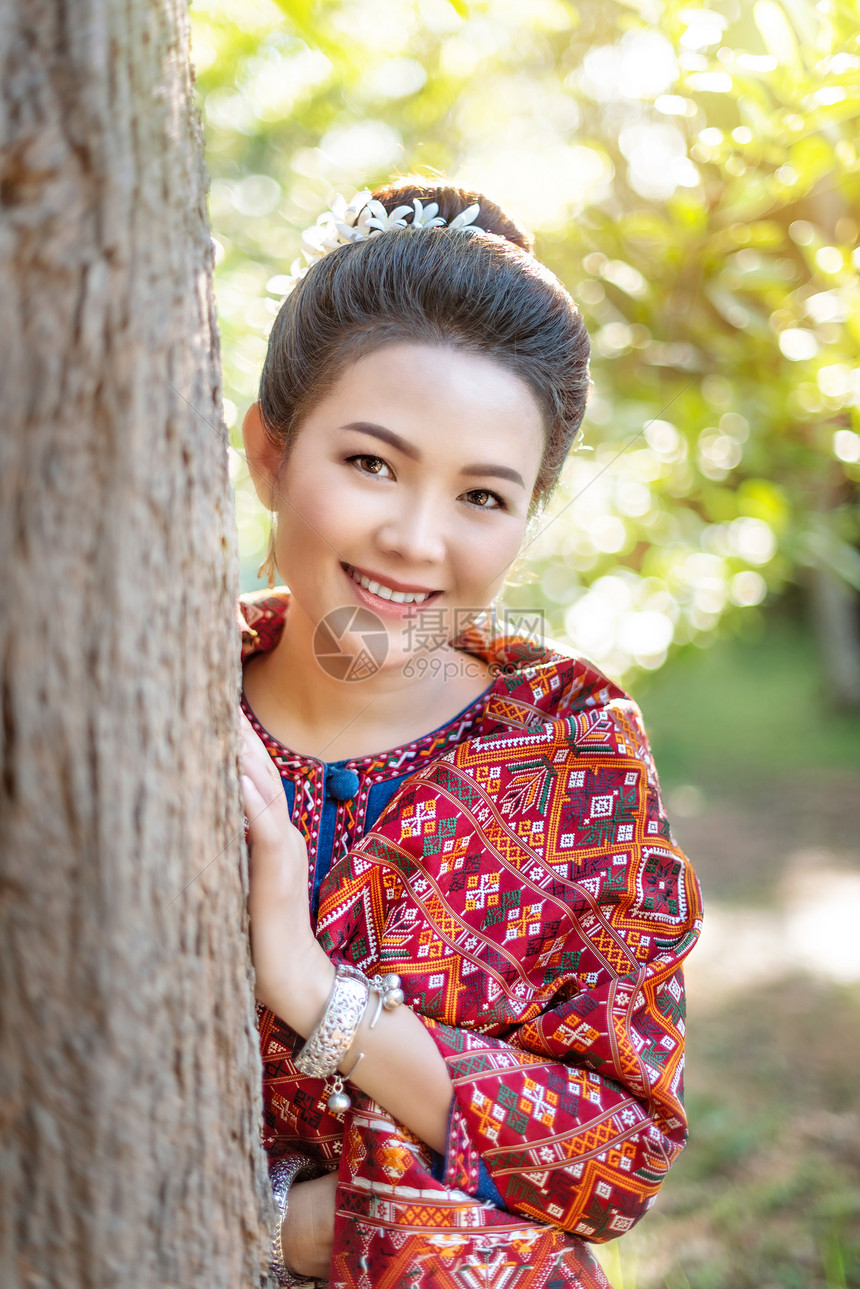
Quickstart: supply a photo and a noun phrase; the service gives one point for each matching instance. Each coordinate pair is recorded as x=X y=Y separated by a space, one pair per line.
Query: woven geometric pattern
x=525 y=885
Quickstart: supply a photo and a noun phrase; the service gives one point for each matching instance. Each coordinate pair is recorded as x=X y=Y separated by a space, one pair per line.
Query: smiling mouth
x=386 y=592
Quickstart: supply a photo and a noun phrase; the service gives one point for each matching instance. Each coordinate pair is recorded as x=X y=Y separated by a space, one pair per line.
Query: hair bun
x=451 y=202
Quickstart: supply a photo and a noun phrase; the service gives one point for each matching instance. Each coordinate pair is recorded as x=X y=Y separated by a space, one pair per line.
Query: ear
x=263 y=456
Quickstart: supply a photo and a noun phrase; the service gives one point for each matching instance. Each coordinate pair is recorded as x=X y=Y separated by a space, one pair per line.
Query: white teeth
x=386 y=593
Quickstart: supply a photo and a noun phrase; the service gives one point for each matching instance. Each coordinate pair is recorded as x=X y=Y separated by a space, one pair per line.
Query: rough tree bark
x=130 y=1084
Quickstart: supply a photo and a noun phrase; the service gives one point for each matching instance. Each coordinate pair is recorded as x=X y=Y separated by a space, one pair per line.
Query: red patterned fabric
x=525 y=884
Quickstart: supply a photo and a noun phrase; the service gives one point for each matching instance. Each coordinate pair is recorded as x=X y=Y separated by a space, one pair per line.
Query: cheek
x=324 y=510
x=485 y=562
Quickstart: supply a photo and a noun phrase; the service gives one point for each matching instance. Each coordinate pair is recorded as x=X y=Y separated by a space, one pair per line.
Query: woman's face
x=415 y=471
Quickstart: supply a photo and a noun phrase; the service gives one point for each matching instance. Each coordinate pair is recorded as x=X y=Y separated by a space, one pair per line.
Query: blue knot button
x=342 y=784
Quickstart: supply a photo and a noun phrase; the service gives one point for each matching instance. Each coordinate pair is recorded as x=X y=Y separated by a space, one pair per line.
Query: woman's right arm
x=577 y=1112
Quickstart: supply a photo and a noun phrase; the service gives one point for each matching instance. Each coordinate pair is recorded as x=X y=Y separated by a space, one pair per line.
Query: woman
x=430 y=796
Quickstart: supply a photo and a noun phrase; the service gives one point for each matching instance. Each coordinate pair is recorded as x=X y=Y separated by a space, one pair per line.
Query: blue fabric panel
x=326 y=841
x=290 y=791
x=486 y=1189
x=378 y=797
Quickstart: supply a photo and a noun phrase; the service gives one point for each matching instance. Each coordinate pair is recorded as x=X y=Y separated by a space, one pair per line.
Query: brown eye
x=485 y=493
x=364 y=456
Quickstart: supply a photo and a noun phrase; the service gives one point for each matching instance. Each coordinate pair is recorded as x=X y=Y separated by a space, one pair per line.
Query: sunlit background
x=692 y=176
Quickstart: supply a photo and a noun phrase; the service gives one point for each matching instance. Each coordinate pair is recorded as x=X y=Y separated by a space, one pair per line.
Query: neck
x=333 y=719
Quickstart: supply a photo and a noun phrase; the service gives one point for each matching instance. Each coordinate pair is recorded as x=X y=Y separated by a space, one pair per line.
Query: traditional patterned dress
x=516 y=869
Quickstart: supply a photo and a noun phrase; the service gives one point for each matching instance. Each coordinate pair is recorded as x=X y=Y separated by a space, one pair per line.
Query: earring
x=268 y=565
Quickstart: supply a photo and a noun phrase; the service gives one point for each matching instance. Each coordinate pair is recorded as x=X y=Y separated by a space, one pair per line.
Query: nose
x=414 y=531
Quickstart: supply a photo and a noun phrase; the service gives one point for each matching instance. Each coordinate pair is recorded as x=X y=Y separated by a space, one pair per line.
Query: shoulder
x=549 y=703
x=260 y=618
x=538 y=679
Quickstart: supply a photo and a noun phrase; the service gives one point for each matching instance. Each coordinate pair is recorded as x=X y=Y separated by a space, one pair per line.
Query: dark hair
x=485 y=294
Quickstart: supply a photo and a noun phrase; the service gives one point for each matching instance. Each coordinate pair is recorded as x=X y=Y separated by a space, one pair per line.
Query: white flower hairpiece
x=365 y=217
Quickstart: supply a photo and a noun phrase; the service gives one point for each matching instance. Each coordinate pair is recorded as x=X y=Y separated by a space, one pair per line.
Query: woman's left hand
x=289 y=964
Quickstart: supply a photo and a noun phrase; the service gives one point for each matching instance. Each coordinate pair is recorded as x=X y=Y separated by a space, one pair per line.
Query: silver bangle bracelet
x=328 y=1044
x=282 y=1176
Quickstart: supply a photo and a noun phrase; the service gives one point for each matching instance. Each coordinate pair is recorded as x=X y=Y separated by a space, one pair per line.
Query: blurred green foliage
x=776 y=699
x=692 y=176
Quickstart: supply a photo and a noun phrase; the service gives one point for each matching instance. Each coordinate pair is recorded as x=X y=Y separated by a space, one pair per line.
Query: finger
x=255 y=753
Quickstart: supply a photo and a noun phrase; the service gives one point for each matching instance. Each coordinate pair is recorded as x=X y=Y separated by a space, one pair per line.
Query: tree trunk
x=836 y=616
x=130 y=1083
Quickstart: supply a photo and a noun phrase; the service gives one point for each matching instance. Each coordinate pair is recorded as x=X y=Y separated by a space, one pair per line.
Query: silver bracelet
x=282 y=1176
x=328 y=1044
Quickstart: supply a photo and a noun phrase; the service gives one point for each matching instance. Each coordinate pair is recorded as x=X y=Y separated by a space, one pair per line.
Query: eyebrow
x=408 y=449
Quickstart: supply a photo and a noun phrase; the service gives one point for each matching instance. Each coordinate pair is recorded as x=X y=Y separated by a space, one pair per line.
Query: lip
x=388 y=581
x=387 y=608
